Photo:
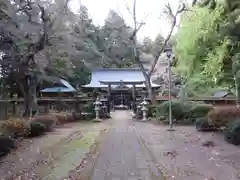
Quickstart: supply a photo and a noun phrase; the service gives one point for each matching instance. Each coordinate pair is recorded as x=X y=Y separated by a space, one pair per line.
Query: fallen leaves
x=211 y=178
x=208 y=144
x=172 y=153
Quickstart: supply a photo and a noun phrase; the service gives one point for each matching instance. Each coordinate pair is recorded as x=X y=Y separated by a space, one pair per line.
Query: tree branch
x=173 y=16
x=128 y=8
x=162 y=48
x=135 y=31
x=194 y=2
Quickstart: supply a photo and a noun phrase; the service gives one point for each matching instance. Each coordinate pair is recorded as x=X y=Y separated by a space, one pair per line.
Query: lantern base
x=144 y=120
x=97 y=120
x=171 y=129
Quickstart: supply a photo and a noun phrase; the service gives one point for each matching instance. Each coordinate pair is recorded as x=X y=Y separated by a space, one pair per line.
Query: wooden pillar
x=77 y=109
x=109 y=99
x=134 y=98
x=14 y=111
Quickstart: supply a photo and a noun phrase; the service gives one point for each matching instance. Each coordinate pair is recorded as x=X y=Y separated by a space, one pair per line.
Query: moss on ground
x=85 y=142
x=72 y=153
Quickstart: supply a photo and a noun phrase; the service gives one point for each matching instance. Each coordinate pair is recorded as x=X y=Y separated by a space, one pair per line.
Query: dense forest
x=62 y=43
x=41 y=41
x=207 y=46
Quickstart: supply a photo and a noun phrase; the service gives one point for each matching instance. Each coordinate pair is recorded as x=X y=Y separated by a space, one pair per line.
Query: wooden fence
x=207 y=100
x=15 y=107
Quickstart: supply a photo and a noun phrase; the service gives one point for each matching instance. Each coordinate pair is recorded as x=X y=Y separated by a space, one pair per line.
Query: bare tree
x=137 y=26
x=28 y=27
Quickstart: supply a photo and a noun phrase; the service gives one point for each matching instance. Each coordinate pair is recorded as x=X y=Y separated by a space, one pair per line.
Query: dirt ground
x=183 y=154
x=51 y=156
x=180 y=155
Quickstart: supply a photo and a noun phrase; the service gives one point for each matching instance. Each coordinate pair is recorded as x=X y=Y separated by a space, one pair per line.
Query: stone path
x=122 y=155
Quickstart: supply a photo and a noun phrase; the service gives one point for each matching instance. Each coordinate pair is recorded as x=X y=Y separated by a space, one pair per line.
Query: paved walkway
x=122 y=155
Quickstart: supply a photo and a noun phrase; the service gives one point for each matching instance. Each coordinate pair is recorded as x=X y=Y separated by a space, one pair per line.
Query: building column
x=109 y=99
x=134 y=99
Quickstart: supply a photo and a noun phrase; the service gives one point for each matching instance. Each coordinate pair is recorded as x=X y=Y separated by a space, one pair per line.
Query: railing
x=15 y=107
x=211 y=100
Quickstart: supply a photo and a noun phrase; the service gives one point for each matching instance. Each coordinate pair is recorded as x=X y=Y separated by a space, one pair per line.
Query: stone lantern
x=144 y=104
x=105 y=113
x=97 y=109
x=137 y=115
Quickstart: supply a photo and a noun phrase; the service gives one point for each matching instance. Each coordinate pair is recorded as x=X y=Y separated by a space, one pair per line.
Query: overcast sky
x=155 y=23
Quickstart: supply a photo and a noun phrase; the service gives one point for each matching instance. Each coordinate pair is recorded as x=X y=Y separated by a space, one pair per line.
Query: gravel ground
x=127 y=149
x=50 y=156
x=137 y=150
x=182 y=154
x=121 y=155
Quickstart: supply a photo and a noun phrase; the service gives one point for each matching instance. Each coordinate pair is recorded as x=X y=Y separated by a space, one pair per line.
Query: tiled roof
x=116 y=74
x=67 y=87
x=221 y=94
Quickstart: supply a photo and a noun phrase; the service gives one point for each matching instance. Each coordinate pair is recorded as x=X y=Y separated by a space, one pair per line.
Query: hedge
x=15 y=127
x=48 y=120
x=223 y=115
x=37 y=129
x=152 y=111
x=232 y=133
x=178 y=111
x=183 y=112
x=6 y=144
x=200 y=110
x=203 y=125
x=90 y=110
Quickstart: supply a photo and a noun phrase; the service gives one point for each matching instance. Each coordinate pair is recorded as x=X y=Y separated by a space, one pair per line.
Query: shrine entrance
x=123 y=96
x=121 y=99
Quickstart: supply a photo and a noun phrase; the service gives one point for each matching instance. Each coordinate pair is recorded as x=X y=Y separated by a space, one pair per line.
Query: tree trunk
x=30 y=102
x=145 y=74
x=149 y=88
x=237 y=87
x=29 y=87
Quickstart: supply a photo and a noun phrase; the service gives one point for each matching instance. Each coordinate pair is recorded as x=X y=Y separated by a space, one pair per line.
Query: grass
x=85 y=142
x=70 y=154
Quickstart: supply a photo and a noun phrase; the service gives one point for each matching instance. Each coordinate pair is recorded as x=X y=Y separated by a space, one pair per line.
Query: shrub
x=223 y=115
x=232 y=133
x=163 y=109
x=36 y=129
x=203 y=125
x=15 y=128
x=6 y=144
x=63 y=118
x=77 y=116
x=90 y=110
x=179 y=110
x=200 y=110
x=152 y=111
x=48 y=120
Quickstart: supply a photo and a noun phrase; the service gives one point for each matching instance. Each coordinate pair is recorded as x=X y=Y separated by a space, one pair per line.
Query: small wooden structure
x=61 y=89
x=219 y=98
x=163 y=98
